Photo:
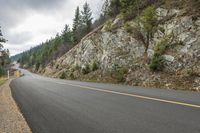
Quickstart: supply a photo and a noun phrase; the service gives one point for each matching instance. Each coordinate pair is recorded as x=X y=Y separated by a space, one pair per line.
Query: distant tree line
x=4 y=56
x=52 y=49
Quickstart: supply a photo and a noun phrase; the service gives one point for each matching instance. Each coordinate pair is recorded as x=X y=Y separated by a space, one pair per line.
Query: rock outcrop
x=103 y=50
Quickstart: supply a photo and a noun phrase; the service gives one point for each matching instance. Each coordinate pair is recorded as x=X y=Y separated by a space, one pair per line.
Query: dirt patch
x=11 y=120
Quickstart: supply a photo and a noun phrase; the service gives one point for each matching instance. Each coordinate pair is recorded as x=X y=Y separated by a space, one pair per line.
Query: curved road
x=63 y=106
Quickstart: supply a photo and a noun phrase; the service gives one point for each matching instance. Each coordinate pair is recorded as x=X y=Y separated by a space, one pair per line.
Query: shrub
x=37 y=66
x=162 y=29
x=86 y=69
x=164 y=44
x=132 y=8
x=2 y=71
x=191 y=7
x=146 y=27
x=160 y=47
x=63 y=75
x=192 y=73
x=57 y=66
x=77 y=67
x=94 y=66
x=149 y=19
x=128 y=28
x=157 y=63
x=71 y=75
x=108 y=25
x=119 y=73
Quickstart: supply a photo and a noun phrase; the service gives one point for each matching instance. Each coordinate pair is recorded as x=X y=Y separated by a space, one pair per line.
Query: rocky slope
x=111 y=54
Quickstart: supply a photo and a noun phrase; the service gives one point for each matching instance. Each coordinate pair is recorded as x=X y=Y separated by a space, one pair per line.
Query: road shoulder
x=11 y=119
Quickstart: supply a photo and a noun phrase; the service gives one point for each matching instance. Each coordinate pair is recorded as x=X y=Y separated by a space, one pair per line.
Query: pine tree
x=145 y=30
x=67 y=34
x=114 y=7
x=87 y=17
x=105 y=8
x=77 y=19
x=76 y=26
x=4 y=60
x=2 y=40
x=128 y=7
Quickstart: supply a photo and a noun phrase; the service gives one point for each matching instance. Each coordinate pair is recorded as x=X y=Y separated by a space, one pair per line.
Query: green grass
x=2 y=81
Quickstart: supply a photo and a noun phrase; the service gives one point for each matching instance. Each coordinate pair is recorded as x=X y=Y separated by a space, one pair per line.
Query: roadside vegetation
x=4 y=56
x=2 y=81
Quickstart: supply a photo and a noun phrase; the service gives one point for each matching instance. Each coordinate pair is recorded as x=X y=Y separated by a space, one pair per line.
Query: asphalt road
x=62 y=106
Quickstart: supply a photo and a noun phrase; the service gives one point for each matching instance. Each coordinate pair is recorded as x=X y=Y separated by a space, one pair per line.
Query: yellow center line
x=133 y=95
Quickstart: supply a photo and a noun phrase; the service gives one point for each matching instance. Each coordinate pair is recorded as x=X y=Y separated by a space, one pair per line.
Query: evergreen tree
x=114 y=7
x=67 y=34
x=147 y=25
x=129 y=8
x=4 y=57
x=76 y=24
x=87 y=17
x=105 y=8
x=2 y=40
x=77 y=19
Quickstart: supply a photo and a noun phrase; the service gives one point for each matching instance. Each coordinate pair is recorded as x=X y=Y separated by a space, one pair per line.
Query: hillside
x=159 y=48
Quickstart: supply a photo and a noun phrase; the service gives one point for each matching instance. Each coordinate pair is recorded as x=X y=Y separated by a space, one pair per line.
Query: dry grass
x=2 y=80
x=192 y=7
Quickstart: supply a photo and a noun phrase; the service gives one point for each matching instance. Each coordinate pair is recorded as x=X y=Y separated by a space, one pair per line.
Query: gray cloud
x=20 y=38
x=34 y=4
x=14 y=13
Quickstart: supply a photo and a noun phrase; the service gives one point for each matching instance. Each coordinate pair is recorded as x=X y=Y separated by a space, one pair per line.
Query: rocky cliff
x=112 y=54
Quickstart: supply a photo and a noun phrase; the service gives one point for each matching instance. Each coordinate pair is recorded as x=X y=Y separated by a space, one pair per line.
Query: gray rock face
x=169 y=58
x=105 y=47
x=119 y=47
x=186 y=38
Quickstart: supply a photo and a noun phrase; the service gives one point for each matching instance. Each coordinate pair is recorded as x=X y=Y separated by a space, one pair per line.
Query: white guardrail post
x=8 y=72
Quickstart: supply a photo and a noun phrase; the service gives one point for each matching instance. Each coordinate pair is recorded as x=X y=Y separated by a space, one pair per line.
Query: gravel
x=11 y=120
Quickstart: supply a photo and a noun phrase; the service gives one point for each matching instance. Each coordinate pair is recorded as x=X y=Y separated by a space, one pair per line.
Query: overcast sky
x=27 y=23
